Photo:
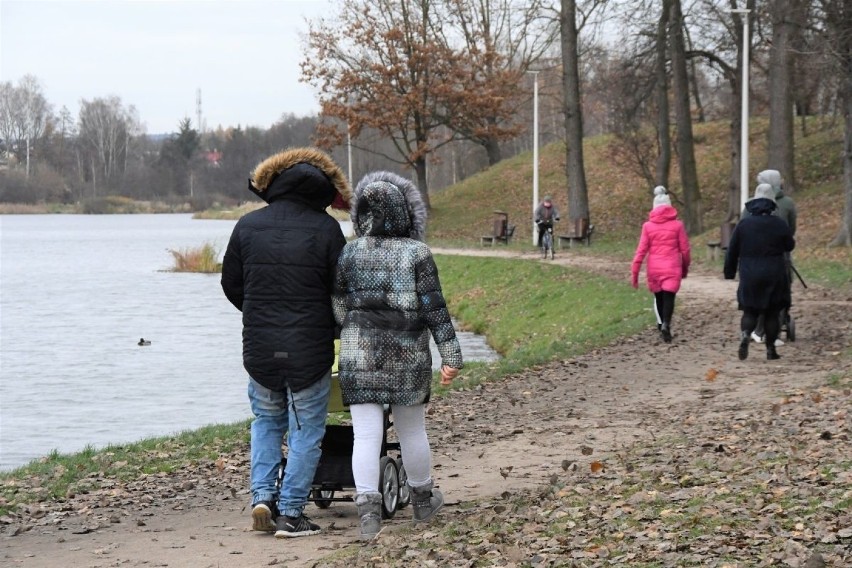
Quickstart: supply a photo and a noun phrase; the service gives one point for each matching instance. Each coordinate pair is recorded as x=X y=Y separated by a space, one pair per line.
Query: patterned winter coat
x=279 y=268
x=665 y=244
x=388 y=299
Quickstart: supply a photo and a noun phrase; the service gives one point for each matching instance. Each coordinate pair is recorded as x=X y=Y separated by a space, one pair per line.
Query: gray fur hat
x=413 y=200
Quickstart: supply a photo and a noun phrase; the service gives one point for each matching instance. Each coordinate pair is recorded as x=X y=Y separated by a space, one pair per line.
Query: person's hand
x=634 y=281
x=448 y=374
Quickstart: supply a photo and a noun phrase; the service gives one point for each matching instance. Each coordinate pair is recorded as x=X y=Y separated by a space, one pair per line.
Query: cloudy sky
x=242 y=54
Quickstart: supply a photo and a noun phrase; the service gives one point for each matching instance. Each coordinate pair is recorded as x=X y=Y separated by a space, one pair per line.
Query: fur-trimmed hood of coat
x=302 y=174
x=387 y=204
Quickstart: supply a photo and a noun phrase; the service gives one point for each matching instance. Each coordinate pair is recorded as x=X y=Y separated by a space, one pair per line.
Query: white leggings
x=368 y=424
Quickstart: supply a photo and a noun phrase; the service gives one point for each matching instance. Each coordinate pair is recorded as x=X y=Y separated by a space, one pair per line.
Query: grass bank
x=531 y=313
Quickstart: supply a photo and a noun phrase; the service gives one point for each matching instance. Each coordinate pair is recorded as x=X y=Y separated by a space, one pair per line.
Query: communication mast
x=198 y=110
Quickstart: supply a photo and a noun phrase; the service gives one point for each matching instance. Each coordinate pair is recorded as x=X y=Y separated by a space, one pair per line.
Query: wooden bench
x=581 y=233
x=502 y=230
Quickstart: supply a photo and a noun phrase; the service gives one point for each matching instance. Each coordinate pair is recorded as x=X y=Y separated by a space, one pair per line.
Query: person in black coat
x=279 y=271
x=758 y=248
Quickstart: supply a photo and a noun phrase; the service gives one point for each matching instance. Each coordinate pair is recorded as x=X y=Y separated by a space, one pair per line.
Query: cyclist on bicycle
x=545 y=214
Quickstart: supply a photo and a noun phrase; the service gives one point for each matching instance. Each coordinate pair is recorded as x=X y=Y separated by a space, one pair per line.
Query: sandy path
x=504 y=436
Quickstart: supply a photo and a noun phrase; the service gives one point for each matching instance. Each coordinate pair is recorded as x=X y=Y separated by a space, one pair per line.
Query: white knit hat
x=661 y=196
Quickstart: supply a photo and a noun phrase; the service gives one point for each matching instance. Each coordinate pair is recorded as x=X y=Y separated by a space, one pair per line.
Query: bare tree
x=24 y=113
x=780 y=155
x=838 y=23
x=575 y=170
x=497 y=42
x=106 y=128
x=693 y=209
x=379 y=66
x=664 y=143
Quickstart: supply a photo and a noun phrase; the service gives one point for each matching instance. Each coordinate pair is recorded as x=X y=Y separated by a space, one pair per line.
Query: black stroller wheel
x=322 y=497
x=388 y=486
x=404 y=490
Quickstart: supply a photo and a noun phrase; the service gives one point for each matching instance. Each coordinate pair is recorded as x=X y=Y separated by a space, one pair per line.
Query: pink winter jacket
x=665 y=244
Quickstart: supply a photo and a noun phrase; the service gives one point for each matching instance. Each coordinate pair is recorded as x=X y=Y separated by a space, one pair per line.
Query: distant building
x=213 y=157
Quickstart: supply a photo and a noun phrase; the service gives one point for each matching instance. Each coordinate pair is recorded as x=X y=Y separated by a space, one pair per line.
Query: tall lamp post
x=744 y=111
x=535 y=154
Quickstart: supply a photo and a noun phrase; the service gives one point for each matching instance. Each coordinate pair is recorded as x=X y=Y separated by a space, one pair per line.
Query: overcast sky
x=243 y=55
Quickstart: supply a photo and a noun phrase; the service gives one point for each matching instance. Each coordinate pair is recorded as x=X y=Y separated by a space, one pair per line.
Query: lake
x=77 y=292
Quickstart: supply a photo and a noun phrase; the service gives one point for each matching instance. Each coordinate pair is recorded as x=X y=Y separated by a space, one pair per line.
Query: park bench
x=713 y=247
x=502 y=231
x=581 y=232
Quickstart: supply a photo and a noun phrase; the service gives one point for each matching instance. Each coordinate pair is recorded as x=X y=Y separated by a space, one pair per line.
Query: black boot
x=665 y=330
x=743 y=350
x=771 y=353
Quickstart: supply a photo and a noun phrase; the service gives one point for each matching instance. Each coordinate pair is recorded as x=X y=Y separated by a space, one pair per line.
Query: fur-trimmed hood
x=387 y=204
x=302 y=174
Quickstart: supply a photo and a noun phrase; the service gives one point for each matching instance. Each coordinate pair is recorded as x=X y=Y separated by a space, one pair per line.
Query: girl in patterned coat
x=388 y=301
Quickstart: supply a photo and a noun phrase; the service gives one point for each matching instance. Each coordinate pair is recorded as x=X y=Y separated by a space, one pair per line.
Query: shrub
x=203 y=259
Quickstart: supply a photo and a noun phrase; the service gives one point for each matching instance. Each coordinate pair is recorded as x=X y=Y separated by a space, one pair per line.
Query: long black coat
x=279 y=271
x=757 y=248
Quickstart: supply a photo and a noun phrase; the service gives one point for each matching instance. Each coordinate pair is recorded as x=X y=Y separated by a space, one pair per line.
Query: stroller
x=334 y=472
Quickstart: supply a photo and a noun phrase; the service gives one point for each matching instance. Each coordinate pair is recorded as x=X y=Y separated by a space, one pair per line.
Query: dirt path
x=506 y=436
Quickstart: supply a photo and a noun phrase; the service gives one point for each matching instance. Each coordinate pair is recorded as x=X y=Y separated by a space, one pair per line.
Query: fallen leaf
x=596 y=466
x=711 y=374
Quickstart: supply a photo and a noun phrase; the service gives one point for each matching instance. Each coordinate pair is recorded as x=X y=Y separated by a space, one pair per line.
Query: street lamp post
x=535 y=154
x=744 y=111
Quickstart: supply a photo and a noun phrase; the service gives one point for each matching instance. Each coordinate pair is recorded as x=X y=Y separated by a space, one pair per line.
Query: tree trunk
x=780 y=135
x=664 y=139
x=492 y=148
x=844 y=236
x=578 y=198
x=693 y=210
x=422 y=183
x=841 y=24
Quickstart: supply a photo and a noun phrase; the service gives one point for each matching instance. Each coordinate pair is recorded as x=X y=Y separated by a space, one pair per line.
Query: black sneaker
x=290 y=527
x=263 y=515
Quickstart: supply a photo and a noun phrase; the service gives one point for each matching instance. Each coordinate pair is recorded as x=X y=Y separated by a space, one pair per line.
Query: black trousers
x=665 y=306
x=771 y=322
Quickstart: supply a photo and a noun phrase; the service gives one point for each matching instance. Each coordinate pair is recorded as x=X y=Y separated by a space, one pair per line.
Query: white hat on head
x=764 y=191
x=661 y=196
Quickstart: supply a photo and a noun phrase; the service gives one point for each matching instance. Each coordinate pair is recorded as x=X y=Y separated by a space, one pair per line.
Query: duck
x=143 y=342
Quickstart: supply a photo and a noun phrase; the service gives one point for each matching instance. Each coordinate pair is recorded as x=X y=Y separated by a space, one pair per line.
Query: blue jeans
x=304 y=424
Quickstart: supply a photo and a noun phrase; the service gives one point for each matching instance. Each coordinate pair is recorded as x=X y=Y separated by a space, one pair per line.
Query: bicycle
x=547 y=239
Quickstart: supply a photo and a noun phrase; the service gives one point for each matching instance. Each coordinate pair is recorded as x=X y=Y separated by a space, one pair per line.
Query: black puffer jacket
x=279 y=269
x=757 y=248
x=388 y=299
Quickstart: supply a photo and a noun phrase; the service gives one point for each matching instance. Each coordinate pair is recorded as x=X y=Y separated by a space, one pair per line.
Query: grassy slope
x=619 y=200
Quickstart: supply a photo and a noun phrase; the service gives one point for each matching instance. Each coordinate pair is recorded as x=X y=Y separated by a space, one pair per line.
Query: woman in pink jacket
x=665 y=244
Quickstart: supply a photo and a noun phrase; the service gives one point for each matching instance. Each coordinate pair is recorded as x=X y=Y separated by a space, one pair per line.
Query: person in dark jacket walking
x=757 y=249
x=278 y=270
x=786 y=210
x=388 y=301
